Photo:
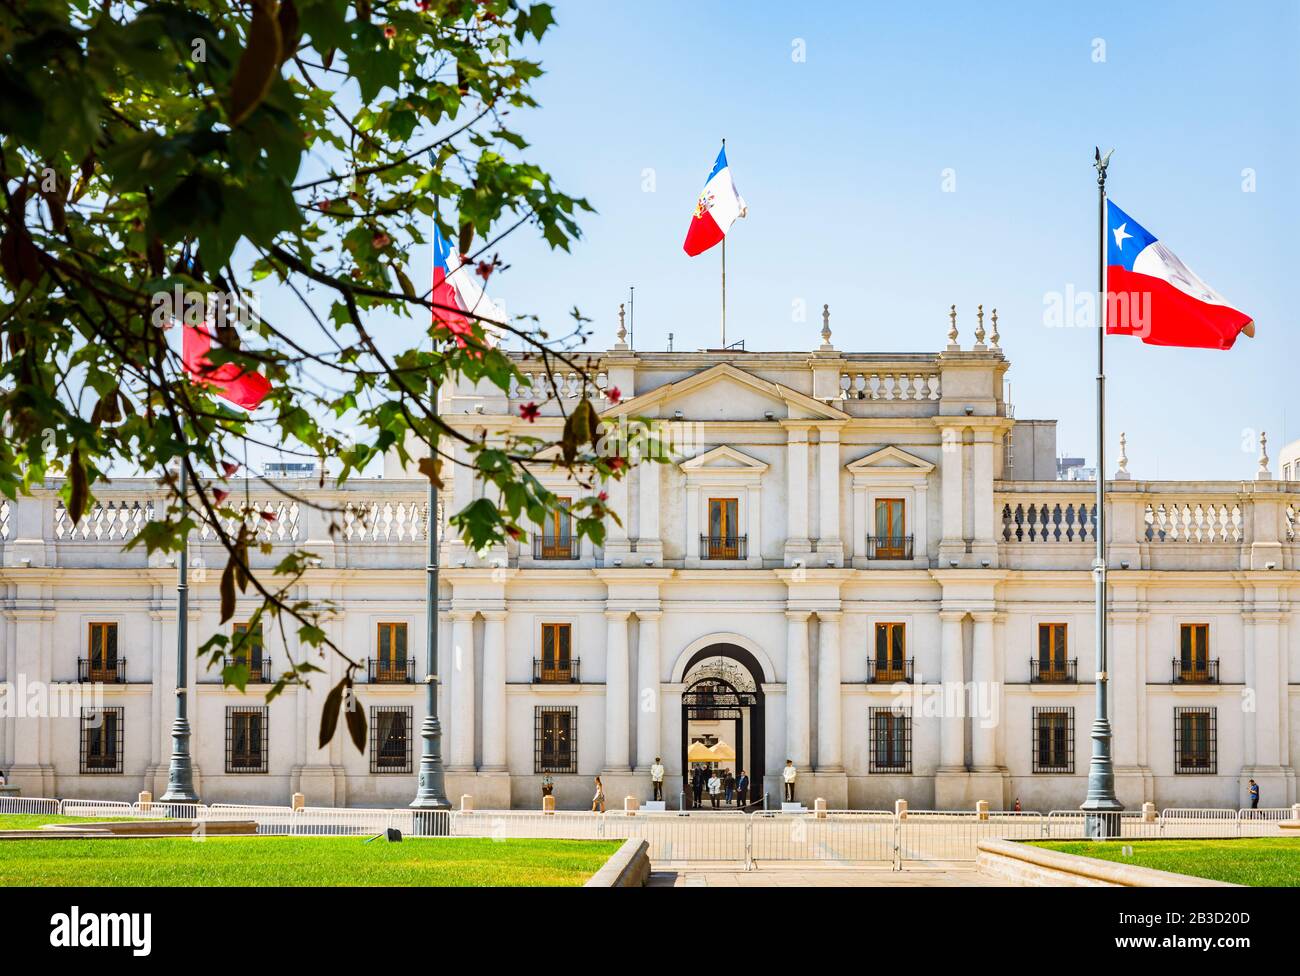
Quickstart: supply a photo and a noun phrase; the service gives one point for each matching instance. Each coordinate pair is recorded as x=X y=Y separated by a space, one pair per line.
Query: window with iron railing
x=392 y=665
x=555 y=744
x=890 y=740
x=557 y=539
x=1052 y=666
x=101 y=661
x=101 y=740
x=246 y=739
x=890 y=663
x=1195 y=741
x=390 y=738
x=891 y=540
x=557 y=664
x=1053 y=742
x=246 y=648
x=1194 y=665
x=723 y=540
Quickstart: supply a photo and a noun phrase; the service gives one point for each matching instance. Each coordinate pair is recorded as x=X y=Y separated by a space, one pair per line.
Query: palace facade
x=861 y=562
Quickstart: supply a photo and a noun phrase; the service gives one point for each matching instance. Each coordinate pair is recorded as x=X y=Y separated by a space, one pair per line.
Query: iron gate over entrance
x=723 y=684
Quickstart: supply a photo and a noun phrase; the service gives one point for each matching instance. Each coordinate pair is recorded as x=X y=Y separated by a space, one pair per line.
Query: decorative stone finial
x=979 y=327
x=826 y=328
x=952 y=328
x=1263 y=474
x=622 y=329
x=995 y=338
x=1123 y=473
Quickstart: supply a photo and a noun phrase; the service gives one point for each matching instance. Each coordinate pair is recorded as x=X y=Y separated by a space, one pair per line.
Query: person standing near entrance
x=715 y=789
x=657 y=778
x=742 y=789
x=728 y=786
x=1254 y=795
x=697 y=785
x=788 y=776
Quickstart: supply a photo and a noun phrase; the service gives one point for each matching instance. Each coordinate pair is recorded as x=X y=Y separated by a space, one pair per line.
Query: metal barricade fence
x=94 y=808
x=29 y=804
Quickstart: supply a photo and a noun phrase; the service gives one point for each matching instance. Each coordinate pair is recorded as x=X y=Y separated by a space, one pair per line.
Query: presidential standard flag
x=718 y=207
x=455 y=293
x=242 y=387
x=1154 y=296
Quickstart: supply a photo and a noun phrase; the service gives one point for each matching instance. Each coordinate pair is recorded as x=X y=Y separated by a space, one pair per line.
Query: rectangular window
x=891 y=740
x=1053 y=744
x=101 y=740
x=391 y=664
x=555 y=747
x=724 y=529
x=246 y=739
x=246 y=647
x=557 y=645
x=891 y=529
x=1052 y=645
x=102 y=652
x=891 y=652
x=557 y=531
x=1194 y=651
x=390 y=738
x=1195 y=748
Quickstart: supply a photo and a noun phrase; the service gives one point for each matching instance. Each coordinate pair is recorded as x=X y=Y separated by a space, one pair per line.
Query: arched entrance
x=722 y=711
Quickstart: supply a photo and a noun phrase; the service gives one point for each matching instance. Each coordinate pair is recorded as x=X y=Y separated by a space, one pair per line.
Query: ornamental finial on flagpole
x=622 y=329
x=995 y=338
x=1123 y=473
x=952 y=329
x=826 y=329
x=979 y=326
x=1263 y=474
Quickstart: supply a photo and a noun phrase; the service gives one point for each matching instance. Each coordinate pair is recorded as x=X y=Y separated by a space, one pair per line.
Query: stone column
x=648 y=541
x=830 y=736
x=828 y=486
x=796 y=457
x=797 y=689
x=984 y=546
x=461 y=667
x=616 y=692
x=952 y=748
x=951 y=472
x=494 y=691
x=984 y=675
x=647 y=690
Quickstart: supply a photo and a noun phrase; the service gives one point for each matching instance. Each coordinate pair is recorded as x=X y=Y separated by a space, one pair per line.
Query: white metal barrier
x=29 y=804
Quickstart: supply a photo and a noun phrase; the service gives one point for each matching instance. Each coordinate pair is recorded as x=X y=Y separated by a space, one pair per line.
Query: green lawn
x=1255 y=861
x=301 y=861
x=33 y=821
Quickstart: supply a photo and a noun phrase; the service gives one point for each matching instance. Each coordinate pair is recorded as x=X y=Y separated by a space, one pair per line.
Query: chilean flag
x=716 y=210
x=1151 y=294
x=245 y=388
x=455 y=291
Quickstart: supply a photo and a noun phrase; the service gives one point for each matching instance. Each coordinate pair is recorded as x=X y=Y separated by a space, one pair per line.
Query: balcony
x=112 y=672
x=1196 y=672
x=889 y=672
x=1053 y=672
x=259 y=670
x=549 y=547
x=381 y=672
x=889 y=547
x=556 y=672
x=724 y=547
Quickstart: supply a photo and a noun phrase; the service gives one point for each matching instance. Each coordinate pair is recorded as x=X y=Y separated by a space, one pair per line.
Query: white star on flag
x=1121 y=235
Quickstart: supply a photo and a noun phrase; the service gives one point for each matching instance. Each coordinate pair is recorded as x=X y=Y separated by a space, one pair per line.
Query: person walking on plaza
x=657 y=778
x=788 y=776
x=697 y=786
x=1254 y=795
x=728 y=786
x=742 y=789
x=715 y=789
x=598 y=801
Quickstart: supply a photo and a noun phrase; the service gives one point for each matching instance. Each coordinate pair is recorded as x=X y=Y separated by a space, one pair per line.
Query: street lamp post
x=180 y=770
x=1101 y=805
x=431 y=794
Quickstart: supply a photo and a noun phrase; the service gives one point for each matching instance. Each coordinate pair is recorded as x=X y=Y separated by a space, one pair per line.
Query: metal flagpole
x=724 y=293
x=180 y=770
x=1101 y=804
x=431 y=794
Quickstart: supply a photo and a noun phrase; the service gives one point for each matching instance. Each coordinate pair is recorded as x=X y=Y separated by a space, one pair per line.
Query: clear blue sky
x=841 y=159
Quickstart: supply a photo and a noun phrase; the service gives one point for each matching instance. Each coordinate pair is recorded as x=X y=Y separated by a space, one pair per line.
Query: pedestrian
x=598 y=801
x=657 y=778
x=788 y=776
x=729 y=786
x=548 y=786
x=697 y=786
x=1254 y=795
x=715 y=789
x=1017 y=806
x=742 y=789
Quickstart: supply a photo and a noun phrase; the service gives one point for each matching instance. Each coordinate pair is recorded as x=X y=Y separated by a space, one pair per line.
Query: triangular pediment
x=890 y=459
x=724 y=458
x=724 y=392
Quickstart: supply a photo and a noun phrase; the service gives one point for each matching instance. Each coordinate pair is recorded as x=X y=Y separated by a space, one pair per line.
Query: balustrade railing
x=903 y=385
x=1194 y=521
x=1049 y=521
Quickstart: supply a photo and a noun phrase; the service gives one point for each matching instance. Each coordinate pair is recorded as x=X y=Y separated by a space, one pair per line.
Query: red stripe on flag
x=1161 y=315
x=703 y=233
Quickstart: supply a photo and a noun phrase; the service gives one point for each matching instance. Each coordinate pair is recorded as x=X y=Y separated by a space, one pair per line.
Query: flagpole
x=180 y=770
x=1101 y=804
x=724 y=293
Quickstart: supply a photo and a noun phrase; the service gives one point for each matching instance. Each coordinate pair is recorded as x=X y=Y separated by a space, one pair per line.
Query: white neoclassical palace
x=861 y=562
